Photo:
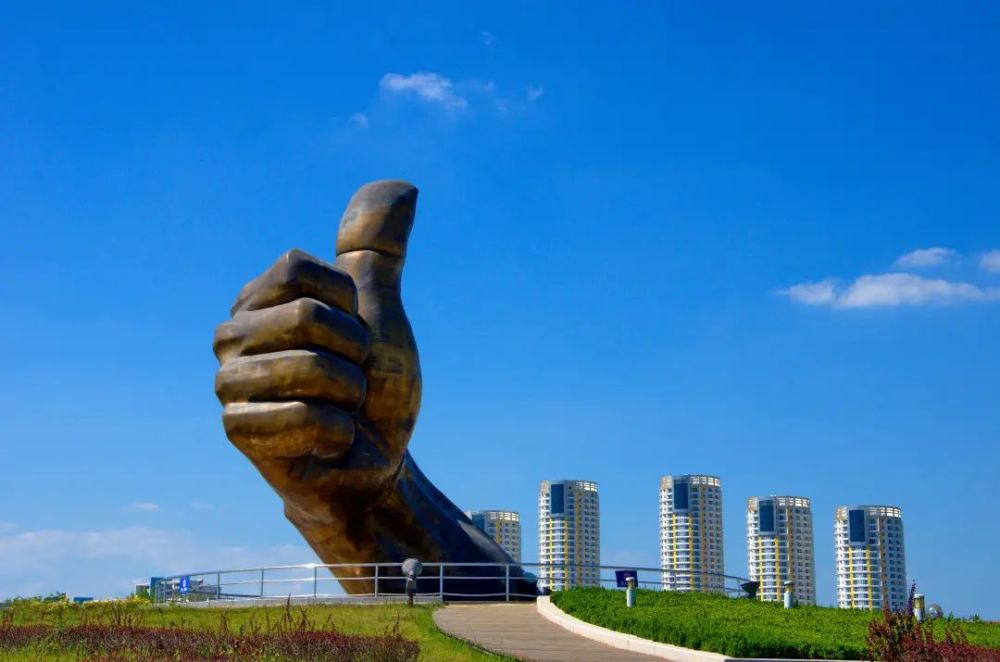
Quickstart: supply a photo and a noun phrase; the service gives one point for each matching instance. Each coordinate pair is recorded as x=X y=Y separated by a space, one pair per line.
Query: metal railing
x=438 y=581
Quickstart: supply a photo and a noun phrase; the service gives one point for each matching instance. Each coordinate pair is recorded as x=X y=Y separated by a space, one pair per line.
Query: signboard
x=184 y=584
x=622 y=576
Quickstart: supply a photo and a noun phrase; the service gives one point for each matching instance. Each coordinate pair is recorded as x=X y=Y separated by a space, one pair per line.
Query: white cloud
x=889 y=290
x=535 y=92
x=359 y=120
x=897 y=289
x=201 y=505
x=106 y=562
x=925 y=257
x=991 y=261
x=144 y=506
x=487 y=38
x=823 y=292
x=7 y=526
x=428 y=86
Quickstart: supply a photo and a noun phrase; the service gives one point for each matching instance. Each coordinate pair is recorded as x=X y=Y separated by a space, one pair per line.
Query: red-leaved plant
x=899 y=637
x=121 y=636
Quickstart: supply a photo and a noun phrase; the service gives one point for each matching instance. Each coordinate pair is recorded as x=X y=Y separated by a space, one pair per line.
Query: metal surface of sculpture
x=320 y=381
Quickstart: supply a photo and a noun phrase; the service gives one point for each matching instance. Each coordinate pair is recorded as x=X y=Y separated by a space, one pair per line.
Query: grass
x=742 y=628
x=414 y=624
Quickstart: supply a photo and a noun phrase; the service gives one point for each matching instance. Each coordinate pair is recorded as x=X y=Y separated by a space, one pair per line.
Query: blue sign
x=622 y=577
x=184 y=585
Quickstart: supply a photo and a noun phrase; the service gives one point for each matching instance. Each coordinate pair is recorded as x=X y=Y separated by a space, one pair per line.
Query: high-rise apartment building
x=871 y=557
x=780 y=547
x=691 y=533
x=504 y=526
x=569 y=534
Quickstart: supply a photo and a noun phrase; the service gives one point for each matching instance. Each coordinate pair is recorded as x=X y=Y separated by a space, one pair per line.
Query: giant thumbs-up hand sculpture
x=320 y=380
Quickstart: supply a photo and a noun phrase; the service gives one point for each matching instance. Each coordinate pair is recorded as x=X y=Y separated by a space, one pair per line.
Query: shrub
x=898 y=637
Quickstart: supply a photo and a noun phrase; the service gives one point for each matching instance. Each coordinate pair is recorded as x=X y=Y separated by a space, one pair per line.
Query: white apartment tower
x=569 y=534
x=780 y=547
x=871 y=557
x=691 y=533
x=504 y=526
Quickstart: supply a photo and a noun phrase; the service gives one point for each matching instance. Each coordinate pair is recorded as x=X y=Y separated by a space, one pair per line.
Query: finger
x=291 y=375
x=294 y=275
x=371 y=247
x=298 y=324
x=283 y=430
x=378 y=218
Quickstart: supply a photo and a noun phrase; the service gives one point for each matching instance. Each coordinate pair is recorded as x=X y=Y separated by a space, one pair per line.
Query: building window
x=680 y=496
x=856 y=525
x=557 y=505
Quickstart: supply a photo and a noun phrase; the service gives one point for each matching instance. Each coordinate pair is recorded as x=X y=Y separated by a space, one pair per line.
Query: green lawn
x=414 y=623
x=744 y=628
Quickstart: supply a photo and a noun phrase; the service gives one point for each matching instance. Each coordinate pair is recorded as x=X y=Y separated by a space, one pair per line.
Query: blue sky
x=652 y=238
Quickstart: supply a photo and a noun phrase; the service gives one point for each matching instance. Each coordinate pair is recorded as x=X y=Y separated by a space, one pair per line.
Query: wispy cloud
x=990 y=261
x=487 y=38
x=144 y=506
x=925 y=257
x=359 y=120
x=454 y=96
x=816 y=294
x=201 y=505
x=898 y=289
x=889 y=290
x=7 y=526
x=428 y=86
x=107 y=562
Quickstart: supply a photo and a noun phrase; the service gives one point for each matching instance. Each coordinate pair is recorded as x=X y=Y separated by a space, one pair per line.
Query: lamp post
x=789 y=596
x=918 y=607
x=411 y=569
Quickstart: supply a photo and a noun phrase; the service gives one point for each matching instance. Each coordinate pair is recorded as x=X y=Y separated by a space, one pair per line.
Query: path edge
x=635 y=644
x=468 y=642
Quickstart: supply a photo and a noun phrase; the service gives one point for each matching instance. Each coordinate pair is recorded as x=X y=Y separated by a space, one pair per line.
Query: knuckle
x=290 y=265
x=295 y=257
x=226 y=335
x=305 y=311
x=222 y=385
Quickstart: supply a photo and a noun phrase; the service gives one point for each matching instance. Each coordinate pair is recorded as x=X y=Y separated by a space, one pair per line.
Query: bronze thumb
x=371 y=247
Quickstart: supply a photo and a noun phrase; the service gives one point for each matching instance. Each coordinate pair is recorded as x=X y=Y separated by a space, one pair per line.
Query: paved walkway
x=520 y=631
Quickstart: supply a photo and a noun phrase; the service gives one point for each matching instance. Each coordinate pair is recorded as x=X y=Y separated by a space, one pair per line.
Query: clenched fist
x=320 y=381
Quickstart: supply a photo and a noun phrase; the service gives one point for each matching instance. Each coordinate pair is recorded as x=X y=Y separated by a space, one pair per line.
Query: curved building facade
x=691 y=532
x=569 y=534
x=780 y=547
x=504 y=526
x=871 y=557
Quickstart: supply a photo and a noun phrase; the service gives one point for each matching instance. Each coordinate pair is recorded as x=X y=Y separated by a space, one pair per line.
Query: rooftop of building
x=506 y=515
x=782 y=501
x=580 y=484
x=691 y=479
x=883 y=511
